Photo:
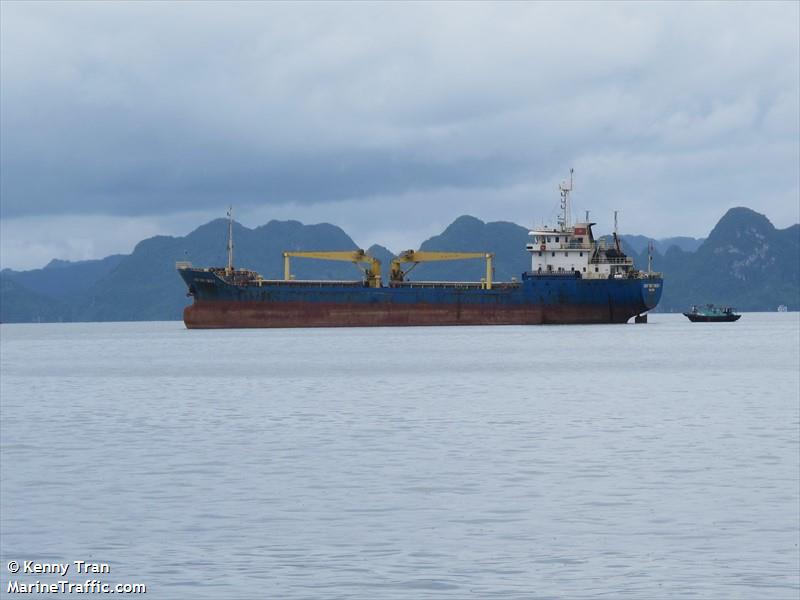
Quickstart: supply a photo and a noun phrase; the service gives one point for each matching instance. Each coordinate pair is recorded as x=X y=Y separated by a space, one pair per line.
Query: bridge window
x=580 y=240
x=596 y=270
x=552 y=254
x=581 y=253
x=556 y=238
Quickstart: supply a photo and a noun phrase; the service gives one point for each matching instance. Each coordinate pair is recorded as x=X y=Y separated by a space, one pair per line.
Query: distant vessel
x=783 y=308
x=712 y=314
x=574 y=278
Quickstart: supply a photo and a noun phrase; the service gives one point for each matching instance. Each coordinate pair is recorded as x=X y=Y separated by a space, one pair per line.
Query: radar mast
x=564 y=220
x=229 y=268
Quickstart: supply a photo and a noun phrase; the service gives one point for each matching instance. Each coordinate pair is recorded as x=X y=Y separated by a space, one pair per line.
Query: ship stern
x=652 y=287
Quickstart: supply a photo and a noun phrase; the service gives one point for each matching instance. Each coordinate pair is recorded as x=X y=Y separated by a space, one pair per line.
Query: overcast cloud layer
x=122 y=120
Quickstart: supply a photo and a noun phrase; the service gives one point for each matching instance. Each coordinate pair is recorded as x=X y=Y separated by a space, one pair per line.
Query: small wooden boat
x=712 y=314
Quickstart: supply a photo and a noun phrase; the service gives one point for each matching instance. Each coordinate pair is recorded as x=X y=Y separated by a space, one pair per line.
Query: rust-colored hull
x=238 y=314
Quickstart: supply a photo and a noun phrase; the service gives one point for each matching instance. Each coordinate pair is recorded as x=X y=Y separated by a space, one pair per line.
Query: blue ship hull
x=537 y=299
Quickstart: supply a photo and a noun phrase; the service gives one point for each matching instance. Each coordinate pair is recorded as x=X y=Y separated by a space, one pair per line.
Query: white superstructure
x=570 y=249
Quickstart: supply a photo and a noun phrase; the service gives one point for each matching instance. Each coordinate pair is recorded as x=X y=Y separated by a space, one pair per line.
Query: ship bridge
x=574 y=250
x=571 y=249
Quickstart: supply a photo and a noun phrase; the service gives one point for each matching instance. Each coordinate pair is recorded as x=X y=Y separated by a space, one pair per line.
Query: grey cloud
x=157 y=108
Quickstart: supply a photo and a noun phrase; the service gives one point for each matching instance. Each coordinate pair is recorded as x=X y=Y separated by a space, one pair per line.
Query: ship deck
x=320 y=283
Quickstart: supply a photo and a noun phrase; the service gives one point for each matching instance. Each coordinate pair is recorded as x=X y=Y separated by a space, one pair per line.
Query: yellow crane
x=371 y=272
x=418 y=256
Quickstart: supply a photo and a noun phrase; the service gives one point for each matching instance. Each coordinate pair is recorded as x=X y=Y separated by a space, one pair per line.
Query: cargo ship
x=574 y=279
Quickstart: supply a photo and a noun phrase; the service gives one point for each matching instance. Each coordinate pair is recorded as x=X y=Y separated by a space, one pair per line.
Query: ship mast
x=564 y=219
x=229 y=268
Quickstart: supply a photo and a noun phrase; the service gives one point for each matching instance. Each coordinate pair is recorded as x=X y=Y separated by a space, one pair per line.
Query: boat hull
x=711 y=318
x=216 y=315
x=534 y=301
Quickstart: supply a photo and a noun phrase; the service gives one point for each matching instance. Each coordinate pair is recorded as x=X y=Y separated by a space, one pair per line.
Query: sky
x=119 y=121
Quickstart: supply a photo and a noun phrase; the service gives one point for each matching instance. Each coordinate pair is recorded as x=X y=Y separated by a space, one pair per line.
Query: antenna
x=564 y=219
x=587 y=216
x=229 y=268
x=616 y=233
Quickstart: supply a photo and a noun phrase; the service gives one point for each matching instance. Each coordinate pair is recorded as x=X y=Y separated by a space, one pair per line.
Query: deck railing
x=612 y=261
x=455 y=284
x=308 y=282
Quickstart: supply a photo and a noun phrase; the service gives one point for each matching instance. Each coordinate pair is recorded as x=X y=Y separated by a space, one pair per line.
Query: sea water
x=620 y=461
